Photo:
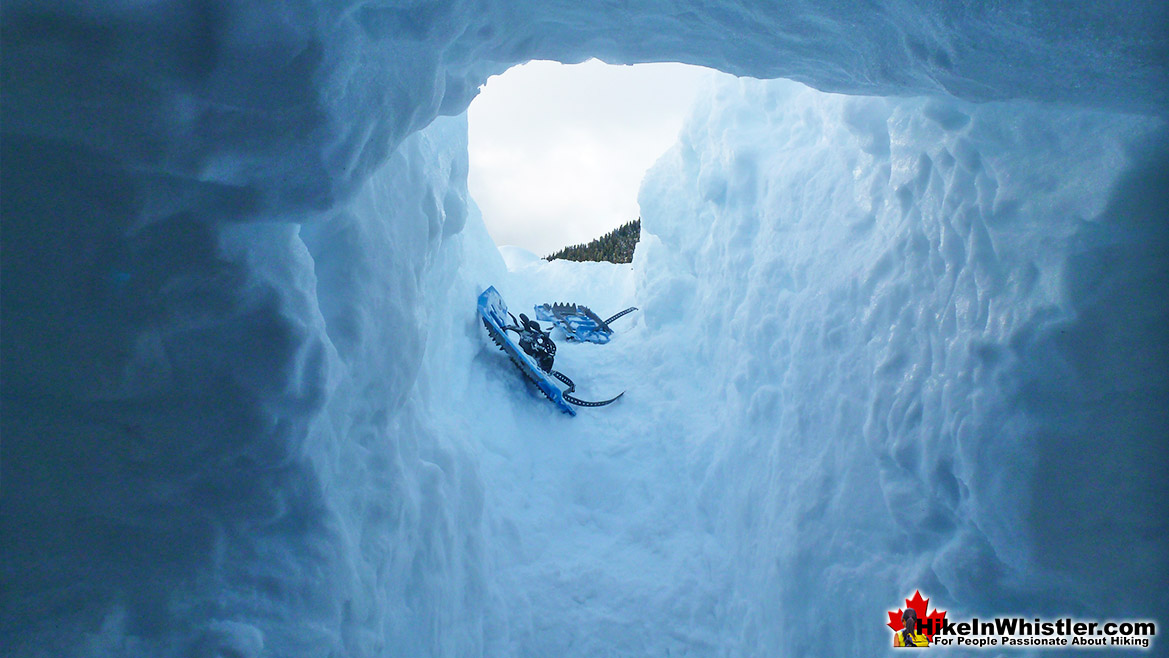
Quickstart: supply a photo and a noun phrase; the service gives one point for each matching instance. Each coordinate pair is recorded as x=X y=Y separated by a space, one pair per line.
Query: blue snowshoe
x=533 y=351
x=579 y=323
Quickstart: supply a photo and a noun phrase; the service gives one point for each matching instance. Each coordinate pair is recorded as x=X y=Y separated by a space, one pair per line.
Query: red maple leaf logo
x=919 y=606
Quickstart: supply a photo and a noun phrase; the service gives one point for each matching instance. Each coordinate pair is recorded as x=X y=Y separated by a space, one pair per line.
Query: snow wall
x=936 y=330
x=235 y=295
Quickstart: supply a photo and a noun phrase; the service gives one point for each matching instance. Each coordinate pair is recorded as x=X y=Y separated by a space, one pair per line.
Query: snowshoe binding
x=579 y=323
x=533 y=351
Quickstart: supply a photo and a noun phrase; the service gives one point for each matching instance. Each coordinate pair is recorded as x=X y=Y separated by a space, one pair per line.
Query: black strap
x=577 y=401
x=621 y=314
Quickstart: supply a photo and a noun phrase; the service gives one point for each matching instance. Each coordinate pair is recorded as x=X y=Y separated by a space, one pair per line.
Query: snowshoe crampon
x=579 y=323
x=535 y=358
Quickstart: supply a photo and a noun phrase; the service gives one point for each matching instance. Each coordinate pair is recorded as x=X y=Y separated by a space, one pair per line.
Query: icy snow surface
x=885 y=344
x=515 y=257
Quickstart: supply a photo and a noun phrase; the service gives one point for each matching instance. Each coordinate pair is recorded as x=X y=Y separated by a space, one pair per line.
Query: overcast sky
x=558 y=152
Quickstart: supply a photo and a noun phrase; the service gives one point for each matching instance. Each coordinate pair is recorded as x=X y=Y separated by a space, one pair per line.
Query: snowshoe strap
x=577 y=401
x=621 y=314
x=534 y=341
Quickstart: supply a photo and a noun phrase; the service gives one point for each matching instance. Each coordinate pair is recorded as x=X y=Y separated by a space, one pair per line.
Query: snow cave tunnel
x=902 y=329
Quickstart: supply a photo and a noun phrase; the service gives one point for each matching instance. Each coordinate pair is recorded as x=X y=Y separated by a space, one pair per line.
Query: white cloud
x=558 y=152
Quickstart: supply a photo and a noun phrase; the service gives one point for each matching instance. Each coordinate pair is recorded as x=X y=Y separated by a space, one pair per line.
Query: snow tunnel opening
x=558 y=151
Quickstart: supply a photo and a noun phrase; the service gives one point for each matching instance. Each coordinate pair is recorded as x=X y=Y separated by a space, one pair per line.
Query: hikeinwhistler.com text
x=1038 y=633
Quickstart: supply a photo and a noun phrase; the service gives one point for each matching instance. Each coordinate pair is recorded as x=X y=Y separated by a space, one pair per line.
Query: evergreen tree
x=616 y=246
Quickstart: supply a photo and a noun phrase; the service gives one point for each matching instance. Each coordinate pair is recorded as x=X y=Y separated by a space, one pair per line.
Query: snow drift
x=243 y=387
